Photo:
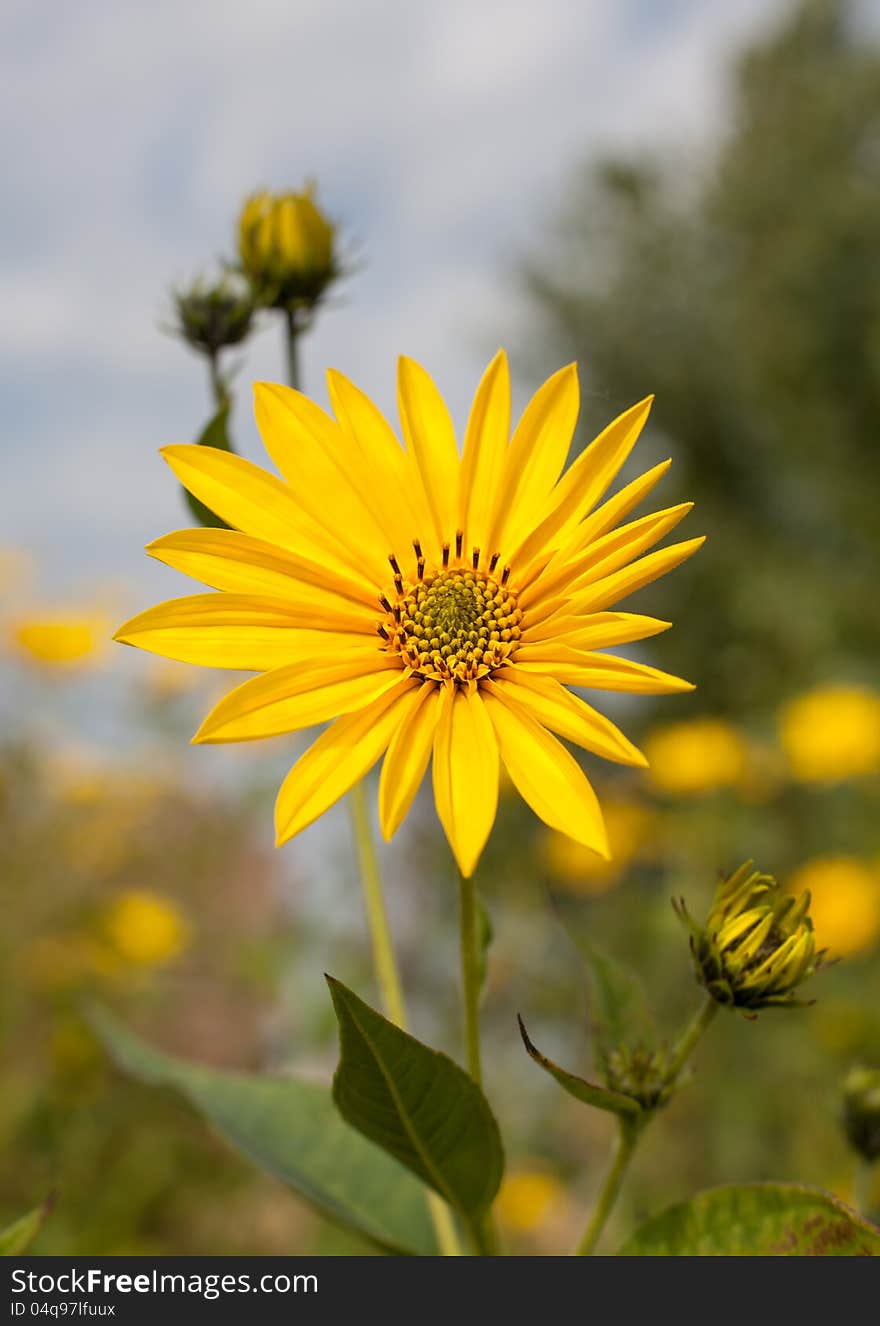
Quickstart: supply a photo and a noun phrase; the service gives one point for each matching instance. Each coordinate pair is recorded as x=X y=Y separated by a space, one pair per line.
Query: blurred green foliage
x=746 y=293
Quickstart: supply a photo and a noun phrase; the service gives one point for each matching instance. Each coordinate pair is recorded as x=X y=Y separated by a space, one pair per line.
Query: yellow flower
x=832 y=733
x=631 y=828
x=56 y=639
x=144 y=929
x=846 y=902
x=434 y=605
x=286 y=246
x=526 y=1198
x=693 y=758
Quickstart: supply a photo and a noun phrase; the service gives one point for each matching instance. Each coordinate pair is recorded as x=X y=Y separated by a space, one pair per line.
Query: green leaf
x=757 y=1220
x=290 y=1128
x=417 y=1104
x=17 y=1237
x=214 y=434
x=587 y=1092
x=619 y=1012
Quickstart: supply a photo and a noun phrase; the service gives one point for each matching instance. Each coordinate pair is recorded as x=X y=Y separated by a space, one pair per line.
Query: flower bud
x=210 y=317
x=861 y=1111
x=287 y=249
x=640 y=1072
x=757 y=945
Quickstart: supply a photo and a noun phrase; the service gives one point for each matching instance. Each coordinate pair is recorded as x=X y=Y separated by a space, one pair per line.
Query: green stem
x=293 y=374
x=388 y=976
x=470 y=975
x=863 y=1186
x=630 y=1131
x=218 y=386
x=623 y=1151
x=384 y=962
x=687 y=1041
x=484 y=1233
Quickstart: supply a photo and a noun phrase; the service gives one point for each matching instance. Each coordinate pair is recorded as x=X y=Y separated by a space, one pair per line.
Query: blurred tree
x=747 y=296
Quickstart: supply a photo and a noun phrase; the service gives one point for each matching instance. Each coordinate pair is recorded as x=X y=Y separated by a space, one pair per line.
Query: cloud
x=440 y=134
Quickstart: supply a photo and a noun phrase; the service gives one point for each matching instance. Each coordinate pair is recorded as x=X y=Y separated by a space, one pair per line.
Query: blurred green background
x=744 y=290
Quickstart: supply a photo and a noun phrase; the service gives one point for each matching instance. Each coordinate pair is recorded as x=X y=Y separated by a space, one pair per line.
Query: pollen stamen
x=456 y=624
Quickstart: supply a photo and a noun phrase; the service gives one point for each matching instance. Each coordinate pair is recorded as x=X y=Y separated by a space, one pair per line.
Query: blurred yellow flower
x=145 y=929
x=57 y=639
x=846 y=902
x=696 y=757
x=632 y=828
x=832 y=733
x=526 y=1198
x=286 y=246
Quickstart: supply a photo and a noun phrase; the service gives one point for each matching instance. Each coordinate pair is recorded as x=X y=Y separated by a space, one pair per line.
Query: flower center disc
x=454 y=625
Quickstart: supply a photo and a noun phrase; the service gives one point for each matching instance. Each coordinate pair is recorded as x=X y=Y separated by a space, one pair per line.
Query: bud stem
x=631 y=1130
x=625 y=1146
x=292 y=349
x=687 y=1041
x=218 y=386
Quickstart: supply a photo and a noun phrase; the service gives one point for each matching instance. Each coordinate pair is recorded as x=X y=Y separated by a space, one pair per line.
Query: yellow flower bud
x=287 y=249
x=757 y=945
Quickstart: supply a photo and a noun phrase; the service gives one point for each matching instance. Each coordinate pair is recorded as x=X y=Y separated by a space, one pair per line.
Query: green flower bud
x=861 y=1111
x=640 y=1072
x=210 y=317
x=287 y=249
x=757 y=945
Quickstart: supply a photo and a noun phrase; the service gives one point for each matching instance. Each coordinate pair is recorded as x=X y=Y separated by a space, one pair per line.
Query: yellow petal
x=485 y=445
x=229 y=560
x=613 y=588
x=391 y=468
x=217 y=630
x=605 y=556
x=406 y=761
x=430 y=439
x=465 y=773
x=585 y=481
x=341 y=756
x=546 y=775
x=534 y=460
x=605 y=672
x=611 y=513
x=300 y=695
x=560 y=711
x=597 y=630
x=325 y=472
x=257 y=503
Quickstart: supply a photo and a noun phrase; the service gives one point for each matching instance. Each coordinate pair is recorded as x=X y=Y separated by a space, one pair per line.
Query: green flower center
x=457 y=624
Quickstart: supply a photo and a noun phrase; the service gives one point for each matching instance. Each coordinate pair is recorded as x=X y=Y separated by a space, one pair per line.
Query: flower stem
x=470 y=975
x=623 y=1151
x=293 y=376
x=388 y=976
x=484 y=1233
x=630 y=1131
x=384 y=962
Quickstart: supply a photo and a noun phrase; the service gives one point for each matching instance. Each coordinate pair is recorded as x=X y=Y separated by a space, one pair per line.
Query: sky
x=441 y=137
